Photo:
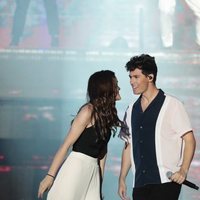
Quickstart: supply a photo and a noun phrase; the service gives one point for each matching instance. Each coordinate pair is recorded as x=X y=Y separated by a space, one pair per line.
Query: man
x=167 y=12
x=161 y=139
x=20 y=18
x=195 y=6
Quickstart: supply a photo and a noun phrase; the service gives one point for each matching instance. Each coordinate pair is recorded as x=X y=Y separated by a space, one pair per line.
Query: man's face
x=139 y=82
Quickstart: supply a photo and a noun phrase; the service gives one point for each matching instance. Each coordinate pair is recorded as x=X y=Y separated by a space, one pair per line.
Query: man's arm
x=188 y=154
x=125 y=167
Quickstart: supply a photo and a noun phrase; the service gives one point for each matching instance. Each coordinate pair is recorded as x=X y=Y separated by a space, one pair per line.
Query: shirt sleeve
x=180 y=120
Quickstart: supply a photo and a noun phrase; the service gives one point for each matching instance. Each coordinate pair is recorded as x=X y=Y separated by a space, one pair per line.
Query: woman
x=80 y=174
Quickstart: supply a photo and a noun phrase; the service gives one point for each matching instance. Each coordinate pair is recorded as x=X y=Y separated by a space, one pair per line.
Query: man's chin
x=136 y=93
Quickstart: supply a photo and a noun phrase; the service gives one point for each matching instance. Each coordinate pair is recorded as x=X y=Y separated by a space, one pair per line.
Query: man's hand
x=122 y=190
x=179 y=176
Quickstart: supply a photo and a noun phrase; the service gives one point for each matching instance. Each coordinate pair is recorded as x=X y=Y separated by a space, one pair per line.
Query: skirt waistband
x=84 y=157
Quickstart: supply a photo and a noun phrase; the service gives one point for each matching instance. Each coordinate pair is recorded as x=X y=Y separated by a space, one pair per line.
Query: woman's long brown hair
x=102 y=91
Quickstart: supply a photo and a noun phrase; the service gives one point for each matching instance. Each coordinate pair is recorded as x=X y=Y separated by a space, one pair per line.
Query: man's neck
x=148 y=97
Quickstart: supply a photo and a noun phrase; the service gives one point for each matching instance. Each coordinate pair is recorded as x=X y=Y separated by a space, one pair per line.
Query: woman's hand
x=45 y=185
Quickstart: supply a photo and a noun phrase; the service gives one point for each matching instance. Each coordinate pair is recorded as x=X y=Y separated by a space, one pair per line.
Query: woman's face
x=117 y=88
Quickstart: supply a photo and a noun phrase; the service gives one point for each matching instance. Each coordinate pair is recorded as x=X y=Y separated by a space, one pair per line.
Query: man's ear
x=150 y=76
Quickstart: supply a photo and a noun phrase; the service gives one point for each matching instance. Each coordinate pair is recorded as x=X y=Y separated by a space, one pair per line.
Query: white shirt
x=172 y=123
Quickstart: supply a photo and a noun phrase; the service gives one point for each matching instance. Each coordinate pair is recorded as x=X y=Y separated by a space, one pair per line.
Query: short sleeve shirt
x=143 y=140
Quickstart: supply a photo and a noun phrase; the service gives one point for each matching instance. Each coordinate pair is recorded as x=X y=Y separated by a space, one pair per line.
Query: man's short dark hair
x=144 y=62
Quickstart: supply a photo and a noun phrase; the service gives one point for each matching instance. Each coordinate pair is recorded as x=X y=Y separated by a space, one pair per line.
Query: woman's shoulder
x=84 y=115
x=86 y=111
x=87 y=108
